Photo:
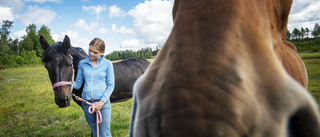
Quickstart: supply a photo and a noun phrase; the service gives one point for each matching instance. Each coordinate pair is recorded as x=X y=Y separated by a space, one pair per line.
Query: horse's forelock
x=53 y=50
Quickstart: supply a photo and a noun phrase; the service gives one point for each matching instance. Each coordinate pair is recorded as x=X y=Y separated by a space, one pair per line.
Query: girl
x=97 y=74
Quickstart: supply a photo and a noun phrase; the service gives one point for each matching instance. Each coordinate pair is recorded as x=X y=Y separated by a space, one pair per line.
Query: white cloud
x=114 y=27
x=15 y=3
x=43 y=1
x=55 y=37
x=121 y=30
x=74 y=39
x=19 y=34
x=103 y=30
x=153 y=20
x=309 y=12
x=94 y=10
x=60 y=37
x=115 y=11
x=38 y=16
x=133 y=43
x=304 y=13
x=125 y=31
x=6 y=13
x=81 y=24
x=136 y=44
x=15 y=7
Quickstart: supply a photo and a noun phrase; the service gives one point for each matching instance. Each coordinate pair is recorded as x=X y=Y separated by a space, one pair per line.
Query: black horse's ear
x=44 y=44
x=66 y=42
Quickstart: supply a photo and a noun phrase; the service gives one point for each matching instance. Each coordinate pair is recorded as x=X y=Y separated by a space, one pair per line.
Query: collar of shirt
x=87 y=60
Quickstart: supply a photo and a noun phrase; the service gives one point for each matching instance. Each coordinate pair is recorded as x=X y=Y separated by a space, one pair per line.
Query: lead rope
x=91 y=111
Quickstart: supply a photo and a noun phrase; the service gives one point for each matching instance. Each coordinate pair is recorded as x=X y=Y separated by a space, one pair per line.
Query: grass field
x=27 y=106
x=312 y=61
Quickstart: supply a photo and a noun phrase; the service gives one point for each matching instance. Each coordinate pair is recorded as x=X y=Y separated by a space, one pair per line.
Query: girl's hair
x=98 y=43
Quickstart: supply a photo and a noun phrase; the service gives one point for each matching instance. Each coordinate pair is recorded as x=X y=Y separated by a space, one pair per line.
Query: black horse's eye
x=69 y=64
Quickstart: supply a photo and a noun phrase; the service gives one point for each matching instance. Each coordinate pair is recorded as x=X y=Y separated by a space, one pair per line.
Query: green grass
x=27 y=106
x=315 y=55
x=312 y=61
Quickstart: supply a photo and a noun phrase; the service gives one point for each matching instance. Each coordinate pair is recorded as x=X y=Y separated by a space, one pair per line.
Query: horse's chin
x=64 y=105
x=62 y=101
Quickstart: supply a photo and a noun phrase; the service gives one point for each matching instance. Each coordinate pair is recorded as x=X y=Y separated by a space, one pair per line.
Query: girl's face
x=94 y=53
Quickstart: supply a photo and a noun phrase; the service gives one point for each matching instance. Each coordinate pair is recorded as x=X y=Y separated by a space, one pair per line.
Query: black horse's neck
x=77 y=54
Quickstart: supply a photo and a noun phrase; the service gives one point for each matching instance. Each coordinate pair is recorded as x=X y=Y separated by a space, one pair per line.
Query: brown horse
x=220 y=73
x=286 y=51
x=294 y=64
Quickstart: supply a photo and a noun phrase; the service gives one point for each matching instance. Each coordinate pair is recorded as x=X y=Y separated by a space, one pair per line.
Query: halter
x=65 y=83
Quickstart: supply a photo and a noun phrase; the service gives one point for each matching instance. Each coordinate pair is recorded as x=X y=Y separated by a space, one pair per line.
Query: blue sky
x=122 y=24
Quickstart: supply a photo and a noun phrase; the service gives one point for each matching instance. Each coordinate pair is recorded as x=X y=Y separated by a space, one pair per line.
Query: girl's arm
x=79 y=79
x=110 y=83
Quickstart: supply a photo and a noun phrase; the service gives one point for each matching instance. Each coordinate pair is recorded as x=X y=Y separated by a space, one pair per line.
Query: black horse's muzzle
x=62 y=101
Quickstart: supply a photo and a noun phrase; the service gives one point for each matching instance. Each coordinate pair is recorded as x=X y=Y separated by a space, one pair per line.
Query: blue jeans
x=104 y=127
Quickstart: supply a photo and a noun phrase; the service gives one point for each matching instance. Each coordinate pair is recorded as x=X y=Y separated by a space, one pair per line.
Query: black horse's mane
x=78 y=51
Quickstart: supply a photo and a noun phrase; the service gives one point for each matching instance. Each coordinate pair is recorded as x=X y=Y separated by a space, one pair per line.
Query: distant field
x=150 y=60
x=28 y=109
x=312 y=61
x=315 y=55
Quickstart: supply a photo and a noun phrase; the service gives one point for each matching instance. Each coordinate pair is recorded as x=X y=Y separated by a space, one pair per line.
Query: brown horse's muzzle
x=62 y=96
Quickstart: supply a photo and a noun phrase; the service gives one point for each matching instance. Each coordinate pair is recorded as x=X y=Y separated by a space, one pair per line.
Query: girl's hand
x=98 y=105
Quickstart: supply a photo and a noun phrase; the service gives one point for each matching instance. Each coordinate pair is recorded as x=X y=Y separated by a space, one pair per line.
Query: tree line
x=26 y=51
x=146 y=53
x=14 y=52
x=302 y=40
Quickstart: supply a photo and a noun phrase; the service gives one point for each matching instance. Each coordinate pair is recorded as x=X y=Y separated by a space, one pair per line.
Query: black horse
x=61 y=60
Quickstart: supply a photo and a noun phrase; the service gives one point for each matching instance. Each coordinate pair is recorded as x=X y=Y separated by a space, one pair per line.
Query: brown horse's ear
x=44 y=44
x=175 y=8
x=66 y=42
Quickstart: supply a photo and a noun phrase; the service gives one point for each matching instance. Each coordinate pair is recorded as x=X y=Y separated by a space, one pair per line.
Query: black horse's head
x=59 y=64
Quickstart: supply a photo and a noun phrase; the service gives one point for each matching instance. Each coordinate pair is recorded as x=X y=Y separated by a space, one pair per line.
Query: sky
x=122 y=24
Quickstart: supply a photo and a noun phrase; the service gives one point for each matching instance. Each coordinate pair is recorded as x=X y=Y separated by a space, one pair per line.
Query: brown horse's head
x=233 y=82
x=59 y=64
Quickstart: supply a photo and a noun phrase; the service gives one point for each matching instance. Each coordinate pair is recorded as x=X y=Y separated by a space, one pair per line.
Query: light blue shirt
x=98 y=81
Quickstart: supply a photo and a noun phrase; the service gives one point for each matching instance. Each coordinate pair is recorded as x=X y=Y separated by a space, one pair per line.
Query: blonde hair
x=98 y=43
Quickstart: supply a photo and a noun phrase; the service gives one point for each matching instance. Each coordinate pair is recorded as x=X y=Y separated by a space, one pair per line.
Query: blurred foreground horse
x=224 y=72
